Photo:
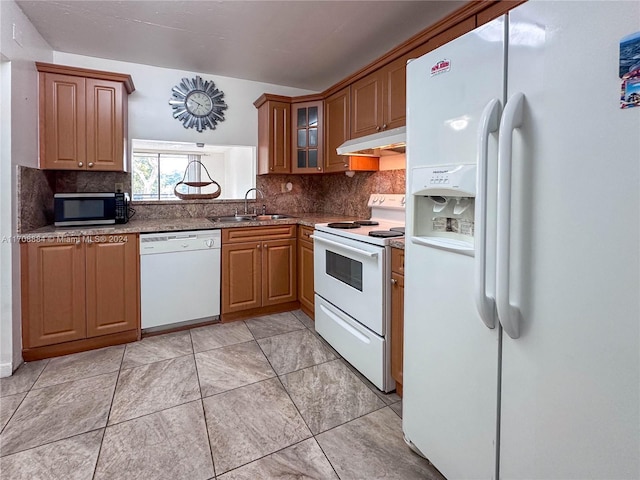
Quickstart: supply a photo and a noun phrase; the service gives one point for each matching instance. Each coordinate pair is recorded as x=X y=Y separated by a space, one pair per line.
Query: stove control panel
x=395 y=201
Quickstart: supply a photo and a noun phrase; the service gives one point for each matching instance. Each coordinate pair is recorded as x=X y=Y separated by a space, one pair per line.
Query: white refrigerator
x=552 y=250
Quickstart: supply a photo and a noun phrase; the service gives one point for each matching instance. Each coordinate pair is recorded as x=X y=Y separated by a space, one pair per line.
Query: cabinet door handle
x=346 y=165
x=394 y=281
x=377 y=128
x=384 y=126
x=80 y=164
x=90 y=165
x=258 y=246
x=319 y=169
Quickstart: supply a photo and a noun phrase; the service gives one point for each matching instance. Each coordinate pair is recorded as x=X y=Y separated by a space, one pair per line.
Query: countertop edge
x=173 y=225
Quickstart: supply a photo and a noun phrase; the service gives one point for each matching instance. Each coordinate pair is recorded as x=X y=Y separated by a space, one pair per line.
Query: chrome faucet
x=258 y=191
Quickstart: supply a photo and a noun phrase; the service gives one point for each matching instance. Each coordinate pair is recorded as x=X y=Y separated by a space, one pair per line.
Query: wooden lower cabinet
x=78 y=295
x=305 y=270
x=279 y=260
x=112 y=286
x=397 y=316
x=53 y=293
x=241 y=276
x=258 y=271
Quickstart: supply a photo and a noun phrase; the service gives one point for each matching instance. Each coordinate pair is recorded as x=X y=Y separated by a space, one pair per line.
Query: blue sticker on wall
x=629 y=71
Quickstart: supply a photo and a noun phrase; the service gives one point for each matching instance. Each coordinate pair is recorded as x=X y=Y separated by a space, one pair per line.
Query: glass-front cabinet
x=306 y=138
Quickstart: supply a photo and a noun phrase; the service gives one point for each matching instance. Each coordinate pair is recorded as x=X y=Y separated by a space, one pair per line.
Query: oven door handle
x=345 y=247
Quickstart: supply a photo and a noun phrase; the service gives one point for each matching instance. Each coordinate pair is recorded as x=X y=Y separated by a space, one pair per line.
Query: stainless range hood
x=383 y=143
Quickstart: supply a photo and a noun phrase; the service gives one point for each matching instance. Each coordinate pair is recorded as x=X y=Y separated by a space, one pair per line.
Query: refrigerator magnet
x=629 y=70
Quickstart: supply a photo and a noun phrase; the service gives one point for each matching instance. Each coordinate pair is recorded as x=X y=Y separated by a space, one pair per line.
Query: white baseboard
x=6 y=370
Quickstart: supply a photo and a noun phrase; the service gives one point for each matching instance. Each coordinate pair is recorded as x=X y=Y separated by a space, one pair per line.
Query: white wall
x=150 y=116
x=18 y=146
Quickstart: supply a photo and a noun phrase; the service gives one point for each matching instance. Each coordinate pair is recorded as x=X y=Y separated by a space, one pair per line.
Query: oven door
x=350 y=275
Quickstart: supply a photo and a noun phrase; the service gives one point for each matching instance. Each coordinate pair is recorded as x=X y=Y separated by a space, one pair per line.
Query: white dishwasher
x=179 y=278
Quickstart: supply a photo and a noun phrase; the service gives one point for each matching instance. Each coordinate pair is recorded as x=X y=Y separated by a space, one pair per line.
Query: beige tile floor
x=256 y=399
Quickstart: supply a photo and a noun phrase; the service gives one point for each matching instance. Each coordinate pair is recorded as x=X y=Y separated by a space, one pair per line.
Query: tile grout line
x=23 y=398
x=278 y=376
x=104 y=431
x=299 y=413
x=204 y=413
x=52 y=441
x=33 y=387
x=303 y=419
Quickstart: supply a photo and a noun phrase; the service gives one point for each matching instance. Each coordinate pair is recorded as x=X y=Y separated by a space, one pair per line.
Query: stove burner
x=385 y=233
x=397 y=229
x=343 y=225
x=366 y=223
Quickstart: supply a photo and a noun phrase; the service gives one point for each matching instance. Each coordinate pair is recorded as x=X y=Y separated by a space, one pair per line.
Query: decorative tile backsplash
x=329 y=193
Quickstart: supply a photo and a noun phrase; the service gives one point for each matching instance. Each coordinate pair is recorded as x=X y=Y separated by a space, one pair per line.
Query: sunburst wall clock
x=197 y=103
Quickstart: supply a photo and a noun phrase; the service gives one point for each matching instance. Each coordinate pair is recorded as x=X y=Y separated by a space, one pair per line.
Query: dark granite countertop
x=177 y=224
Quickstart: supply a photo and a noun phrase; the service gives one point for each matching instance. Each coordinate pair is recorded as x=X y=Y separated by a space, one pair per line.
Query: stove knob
x=382 y=199
x=402 y=202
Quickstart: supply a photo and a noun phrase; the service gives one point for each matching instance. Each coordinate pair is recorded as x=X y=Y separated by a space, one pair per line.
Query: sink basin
x=234 y=218
x=272 y=216
x=248 y=218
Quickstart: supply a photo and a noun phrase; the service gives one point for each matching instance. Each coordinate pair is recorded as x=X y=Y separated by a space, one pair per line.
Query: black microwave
x=73 y=209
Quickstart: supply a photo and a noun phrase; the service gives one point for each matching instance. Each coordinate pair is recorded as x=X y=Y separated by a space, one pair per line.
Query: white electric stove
x=352 y=272
x=386 y=222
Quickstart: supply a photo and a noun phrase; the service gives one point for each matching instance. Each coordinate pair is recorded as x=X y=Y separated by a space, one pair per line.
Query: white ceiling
x=305 y=44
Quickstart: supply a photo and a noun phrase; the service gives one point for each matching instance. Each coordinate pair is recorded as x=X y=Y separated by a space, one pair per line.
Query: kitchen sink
x=234 y=218
x=248 y=218
x=272 y=216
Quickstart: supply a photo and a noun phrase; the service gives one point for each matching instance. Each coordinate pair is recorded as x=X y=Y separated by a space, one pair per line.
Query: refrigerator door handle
x=485 y=304
x=508 y=314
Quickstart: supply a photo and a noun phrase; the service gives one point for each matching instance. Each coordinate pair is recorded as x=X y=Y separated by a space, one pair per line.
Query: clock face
x=197 y=104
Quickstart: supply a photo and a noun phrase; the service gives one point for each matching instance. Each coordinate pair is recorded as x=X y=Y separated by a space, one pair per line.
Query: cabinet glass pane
x=302 y=159
x=313 y=137
x=313 y=158
x=302 y=117
x=313 y=116
x=302 y=138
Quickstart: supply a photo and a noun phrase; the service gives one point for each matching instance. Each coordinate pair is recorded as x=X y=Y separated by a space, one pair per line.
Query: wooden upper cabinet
x=274 y=134
x=394 y=93
x=53 y=293
x=106 y=125
x=337 y=112
x=378 y=101
x=366 y=105
x=112 y=286
x=62 y=121
x=82 y=118
x=307 y=137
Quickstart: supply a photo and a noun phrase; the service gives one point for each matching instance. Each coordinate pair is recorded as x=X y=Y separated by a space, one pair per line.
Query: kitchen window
x=158 y=166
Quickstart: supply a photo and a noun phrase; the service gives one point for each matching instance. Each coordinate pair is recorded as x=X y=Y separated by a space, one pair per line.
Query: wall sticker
x=629 y=70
